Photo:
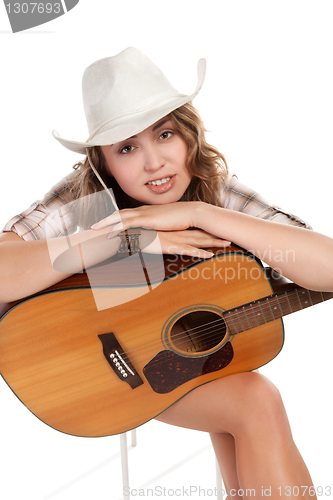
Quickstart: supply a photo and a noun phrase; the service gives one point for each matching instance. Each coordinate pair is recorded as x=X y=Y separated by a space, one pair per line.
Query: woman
x=147 y=144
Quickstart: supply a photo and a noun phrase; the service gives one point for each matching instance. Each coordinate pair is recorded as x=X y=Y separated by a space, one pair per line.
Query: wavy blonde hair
x=205 y=163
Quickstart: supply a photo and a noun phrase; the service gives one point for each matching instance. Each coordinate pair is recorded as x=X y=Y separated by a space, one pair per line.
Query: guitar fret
x=262 y=312
x=232 y=327
x=297 y=295
x=277 y=307
x=251 y=316
x=308 y=292
x=317 y=296
x=270 y=308
x=247 y=318
x=294 y=303
x=285 y=305
x=299 y=298
x=288 y=302
x=258 y=317
x=302 y=295
x=237 y=322
x=239 y=315
x=314 y=297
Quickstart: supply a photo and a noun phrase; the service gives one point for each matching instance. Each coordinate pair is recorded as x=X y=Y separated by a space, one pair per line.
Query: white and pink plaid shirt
x=52 y=217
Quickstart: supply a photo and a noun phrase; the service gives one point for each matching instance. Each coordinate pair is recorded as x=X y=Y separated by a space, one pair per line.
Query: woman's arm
x=303 y=256
x=26 y=267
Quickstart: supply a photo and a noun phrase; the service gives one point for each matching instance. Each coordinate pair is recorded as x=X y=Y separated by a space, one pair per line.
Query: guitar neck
x=273 y=307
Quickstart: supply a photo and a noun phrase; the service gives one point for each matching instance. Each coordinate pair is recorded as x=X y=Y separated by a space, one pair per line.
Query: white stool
x=124 y=459
x=125 y=471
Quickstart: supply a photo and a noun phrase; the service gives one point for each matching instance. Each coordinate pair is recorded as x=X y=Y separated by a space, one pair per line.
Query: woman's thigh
x=226 y=404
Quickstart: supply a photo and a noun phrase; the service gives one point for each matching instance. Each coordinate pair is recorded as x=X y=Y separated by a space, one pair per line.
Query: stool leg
x=133 y=437
x=219 y=483
x=124 y=465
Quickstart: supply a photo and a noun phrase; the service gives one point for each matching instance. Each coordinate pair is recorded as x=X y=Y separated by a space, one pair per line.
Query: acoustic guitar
x=90 y=372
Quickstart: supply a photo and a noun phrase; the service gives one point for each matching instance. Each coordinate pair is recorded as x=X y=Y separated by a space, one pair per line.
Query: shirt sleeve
x=237 y=196
x=47 y=218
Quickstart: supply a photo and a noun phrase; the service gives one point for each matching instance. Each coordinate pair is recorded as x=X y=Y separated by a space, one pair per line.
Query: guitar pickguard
x=168 y=370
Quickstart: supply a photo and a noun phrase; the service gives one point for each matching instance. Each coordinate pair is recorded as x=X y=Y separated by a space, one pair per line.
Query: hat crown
x=123 y=95
x=123 y=84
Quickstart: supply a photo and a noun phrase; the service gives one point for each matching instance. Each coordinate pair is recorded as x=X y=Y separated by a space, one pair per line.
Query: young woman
x=147 y=143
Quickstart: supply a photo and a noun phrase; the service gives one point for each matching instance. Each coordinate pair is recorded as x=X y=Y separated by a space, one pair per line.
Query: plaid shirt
x=51 y=217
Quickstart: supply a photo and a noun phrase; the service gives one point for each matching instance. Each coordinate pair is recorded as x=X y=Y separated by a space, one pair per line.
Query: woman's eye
x=166 y=135
x=126 y=149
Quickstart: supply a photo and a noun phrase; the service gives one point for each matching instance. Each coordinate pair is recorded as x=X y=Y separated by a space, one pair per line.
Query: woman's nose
x=153 y=160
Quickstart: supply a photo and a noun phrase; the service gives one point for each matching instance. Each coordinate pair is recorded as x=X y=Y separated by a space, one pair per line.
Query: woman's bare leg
x=225 y=451
x=249 y=408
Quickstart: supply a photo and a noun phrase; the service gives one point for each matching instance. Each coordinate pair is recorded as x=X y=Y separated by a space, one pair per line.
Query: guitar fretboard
x=270 y=308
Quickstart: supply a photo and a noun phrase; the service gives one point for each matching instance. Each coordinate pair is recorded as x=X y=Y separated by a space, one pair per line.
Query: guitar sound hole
x=198 y=331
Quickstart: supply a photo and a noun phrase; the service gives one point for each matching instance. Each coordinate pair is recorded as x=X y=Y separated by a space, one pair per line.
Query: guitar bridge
x=115 y=356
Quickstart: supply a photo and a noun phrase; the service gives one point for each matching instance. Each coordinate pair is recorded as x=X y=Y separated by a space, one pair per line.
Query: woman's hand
x=172 y=222
x=187 y=242
x=170 y=217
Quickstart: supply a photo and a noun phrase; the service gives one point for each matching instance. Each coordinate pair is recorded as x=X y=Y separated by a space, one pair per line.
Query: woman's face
x=150 y=167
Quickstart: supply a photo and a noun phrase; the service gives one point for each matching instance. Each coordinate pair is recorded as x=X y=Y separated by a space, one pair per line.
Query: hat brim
x=126 y=126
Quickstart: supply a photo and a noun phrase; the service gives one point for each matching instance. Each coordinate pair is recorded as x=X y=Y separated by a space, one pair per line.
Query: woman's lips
x=162 y=188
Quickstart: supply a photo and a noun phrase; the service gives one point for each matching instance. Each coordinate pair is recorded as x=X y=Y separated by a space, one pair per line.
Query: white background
x=267 y=102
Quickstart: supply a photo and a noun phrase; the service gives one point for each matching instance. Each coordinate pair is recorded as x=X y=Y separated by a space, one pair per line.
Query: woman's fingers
x=189 y=242
x=197 y=237
x=195 y=252
x=169 y=217
x=108 y=221
x=172 y=238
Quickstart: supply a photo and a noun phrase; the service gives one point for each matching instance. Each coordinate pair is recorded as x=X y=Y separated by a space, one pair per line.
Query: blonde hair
x=206 y=164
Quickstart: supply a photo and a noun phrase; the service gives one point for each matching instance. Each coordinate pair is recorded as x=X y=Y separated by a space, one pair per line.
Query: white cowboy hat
x=123 y=95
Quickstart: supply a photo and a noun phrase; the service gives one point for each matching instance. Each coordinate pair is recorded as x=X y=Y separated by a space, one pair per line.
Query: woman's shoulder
x=235 y=195
x=61 y=191
x=48 y=217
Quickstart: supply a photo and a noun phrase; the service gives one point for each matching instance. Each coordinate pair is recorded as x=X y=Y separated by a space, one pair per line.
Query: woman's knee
x=261 y=405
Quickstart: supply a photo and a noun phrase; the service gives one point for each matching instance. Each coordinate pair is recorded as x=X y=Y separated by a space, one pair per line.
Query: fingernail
x=94 y=226
x=112 y=234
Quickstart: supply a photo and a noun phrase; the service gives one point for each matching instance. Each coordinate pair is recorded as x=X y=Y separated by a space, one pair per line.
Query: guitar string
x=179 y=335
x=218 y=337
x=149 y=358
x=160 y=363
x=221 y=321
x=249 y=315
x=209 y=333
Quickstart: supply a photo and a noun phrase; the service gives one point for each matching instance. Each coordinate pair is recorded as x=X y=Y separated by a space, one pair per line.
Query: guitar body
x=59 y=354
